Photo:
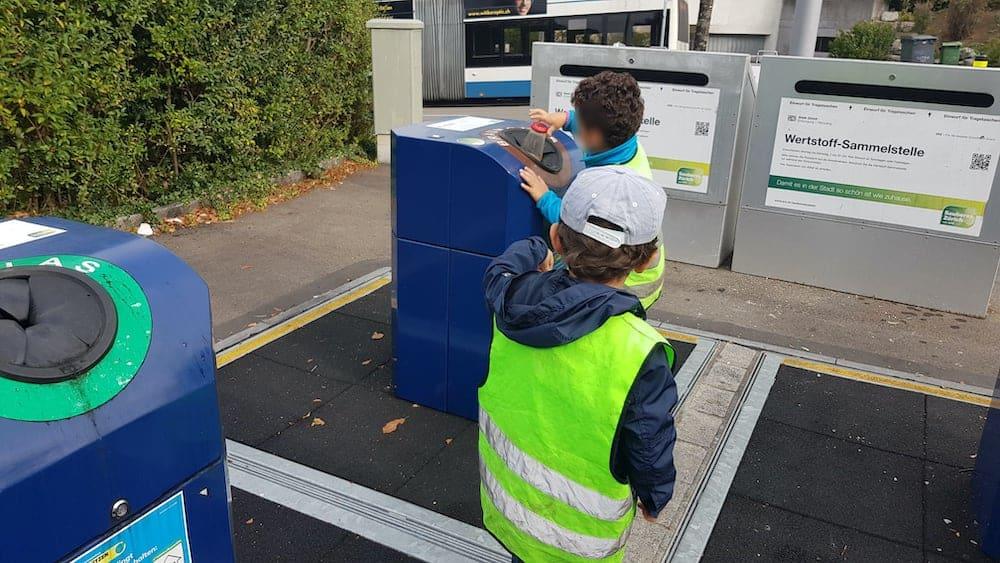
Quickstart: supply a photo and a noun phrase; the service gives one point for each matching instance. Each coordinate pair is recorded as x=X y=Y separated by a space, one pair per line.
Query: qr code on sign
x=700 y=128
x=980 y=161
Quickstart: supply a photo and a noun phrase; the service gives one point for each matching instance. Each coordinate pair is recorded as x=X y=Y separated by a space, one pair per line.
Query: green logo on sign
x=957 y=216
x=689 y=176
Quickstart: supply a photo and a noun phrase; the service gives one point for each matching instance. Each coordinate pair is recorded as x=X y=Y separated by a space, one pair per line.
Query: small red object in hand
x=540 y=127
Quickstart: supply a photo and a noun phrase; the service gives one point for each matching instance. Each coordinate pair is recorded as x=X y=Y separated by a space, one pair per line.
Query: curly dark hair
x=610 y=102
x=594 y=261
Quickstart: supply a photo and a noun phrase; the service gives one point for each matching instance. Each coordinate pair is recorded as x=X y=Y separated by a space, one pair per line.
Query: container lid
x=55 y=324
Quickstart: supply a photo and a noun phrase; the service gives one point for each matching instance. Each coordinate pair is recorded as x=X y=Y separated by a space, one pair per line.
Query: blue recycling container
x=986 y=481
x=457 y=202
x=109 y=419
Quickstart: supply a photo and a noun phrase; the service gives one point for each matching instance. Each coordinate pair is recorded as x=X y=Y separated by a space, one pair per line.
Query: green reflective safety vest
x=647 y=285
x=547 y=421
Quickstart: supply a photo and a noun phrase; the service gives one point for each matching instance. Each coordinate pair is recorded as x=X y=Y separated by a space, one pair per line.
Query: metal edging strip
x=699 y=521
x=397 y=524
x=688 y=375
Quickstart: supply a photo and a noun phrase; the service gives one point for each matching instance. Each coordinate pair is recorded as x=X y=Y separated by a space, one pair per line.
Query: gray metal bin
x=918 y=49
x=875 y=178
x=695 y=132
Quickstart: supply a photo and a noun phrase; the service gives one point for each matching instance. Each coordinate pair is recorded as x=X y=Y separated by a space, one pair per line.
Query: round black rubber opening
x=550 y=162
x=55 y=324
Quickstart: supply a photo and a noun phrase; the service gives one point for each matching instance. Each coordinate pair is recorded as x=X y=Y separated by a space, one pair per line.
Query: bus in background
x=481 y=49
x=499 y=35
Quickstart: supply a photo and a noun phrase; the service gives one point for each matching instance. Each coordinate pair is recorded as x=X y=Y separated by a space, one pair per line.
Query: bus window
x=559 y=29
x=643 y=29
x=483 y=44
x=614 y=28
x=641 y=35
x=512 y=43
x=536 y=36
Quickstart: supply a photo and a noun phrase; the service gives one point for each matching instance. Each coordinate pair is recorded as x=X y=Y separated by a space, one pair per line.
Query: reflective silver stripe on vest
x=549 y=481
x=644 y=290
x=544 y=530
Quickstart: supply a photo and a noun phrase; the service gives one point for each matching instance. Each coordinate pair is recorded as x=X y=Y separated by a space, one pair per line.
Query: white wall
x=741 y=17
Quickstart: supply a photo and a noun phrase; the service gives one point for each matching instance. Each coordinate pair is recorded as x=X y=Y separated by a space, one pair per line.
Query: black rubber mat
x=267 y=532
x=839 y=469
x=323 y=395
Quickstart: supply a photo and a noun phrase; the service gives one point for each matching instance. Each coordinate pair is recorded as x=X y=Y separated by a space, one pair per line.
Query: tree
x=866 y=40
x=701 y=30
x=962 y=16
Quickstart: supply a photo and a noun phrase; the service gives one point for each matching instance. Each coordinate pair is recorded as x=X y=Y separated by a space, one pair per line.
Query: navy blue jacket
x=544 y=310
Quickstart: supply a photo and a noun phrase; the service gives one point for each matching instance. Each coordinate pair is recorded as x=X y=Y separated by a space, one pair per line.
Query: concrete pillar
x=397 y=77
x=806 y=26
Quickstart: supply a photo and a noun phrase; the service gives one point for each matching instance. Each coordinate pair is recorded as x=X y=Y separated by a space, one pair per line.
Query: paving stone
x=351 y=444
x=710 y=400
x=953 y=431
x=265 y=531
x=688 y=460
x=949 y=523
x=834 y=480
x=730 y=368
x=750 y=530
x=881 y=417
x=259 y=398
x=698 y=427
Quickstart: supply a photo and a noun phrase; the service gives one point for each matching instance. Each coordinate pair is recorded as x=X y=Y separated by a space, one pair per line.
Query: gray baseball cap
x=617 y=194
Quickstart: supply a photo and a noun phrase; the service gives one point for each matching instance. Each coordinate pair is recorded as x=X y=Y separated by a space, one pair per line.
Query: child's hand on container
x=533 y=184
x=555 y=119
x=548 y=263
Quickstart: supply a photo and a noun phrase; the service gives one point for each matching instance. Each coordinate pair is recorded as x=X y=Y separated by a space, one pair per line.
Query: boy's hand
x=555 y=119
x=533 y=184
x=548 y=263
x=646 y=515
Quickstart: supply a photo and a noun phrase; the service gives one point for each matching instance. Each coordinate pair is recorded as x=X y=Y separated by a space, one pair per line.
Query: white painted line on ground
x=397 y=524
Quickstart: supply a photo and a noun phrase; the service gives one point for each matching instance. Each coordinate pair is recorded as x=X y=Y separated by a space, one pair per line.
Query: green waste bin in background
x=918 y=49
x=951 y=52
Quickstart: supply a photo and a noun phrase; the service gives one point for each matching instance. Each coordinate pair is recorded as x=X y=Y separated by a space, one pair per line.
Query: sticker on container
x=914 y=167
x=472 y=141
x=15 y=232
x=464 y=123
x=677 y=131
x=159 y=536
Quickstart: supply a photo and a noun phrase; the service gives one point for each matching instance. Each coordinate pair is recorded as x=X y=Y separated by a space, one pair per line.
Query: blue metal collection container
x=112 y=443
x=986 y=481
x=457 y=202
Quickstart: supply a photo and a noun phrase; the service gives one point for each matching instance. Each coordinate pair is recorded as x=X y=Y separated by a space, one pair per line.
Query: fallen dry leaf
x=246 y=267
x=448 y=441
x=392 y=425
x=377 y=335
x=318 y=422
x=366 y=362
x=317 y=400
x=250 y=521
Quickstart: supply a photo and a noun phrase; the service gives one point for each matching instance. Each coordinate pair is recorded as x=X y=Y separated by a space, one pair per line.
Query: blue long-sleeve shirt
x=550 y=204
x=545 y=310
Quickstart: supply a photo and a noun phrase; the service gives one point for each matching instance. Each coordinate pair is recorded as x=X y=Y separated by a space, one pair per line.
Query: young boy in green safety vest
x=574 y=414
x=607 y=113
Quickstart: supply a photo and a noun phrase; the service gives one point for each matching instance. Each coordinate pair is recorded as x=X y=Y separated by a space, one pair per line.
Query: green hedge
x=115 y=105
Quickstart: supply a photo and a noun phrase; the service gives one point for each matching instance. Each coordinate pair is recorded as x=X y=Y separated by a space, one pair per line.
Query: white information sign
x=464 y=123
x=904 y=166
x=677 y=132
x=14 y=232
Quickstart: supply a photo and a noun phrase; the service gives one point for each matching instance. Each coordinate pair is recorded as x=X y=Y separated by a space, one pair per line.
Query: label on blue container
x=159 y=536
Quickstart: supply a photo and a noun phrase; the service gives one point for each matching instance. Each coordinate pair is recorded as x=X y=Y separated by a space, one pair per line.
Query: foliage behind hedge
x=107 y=105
